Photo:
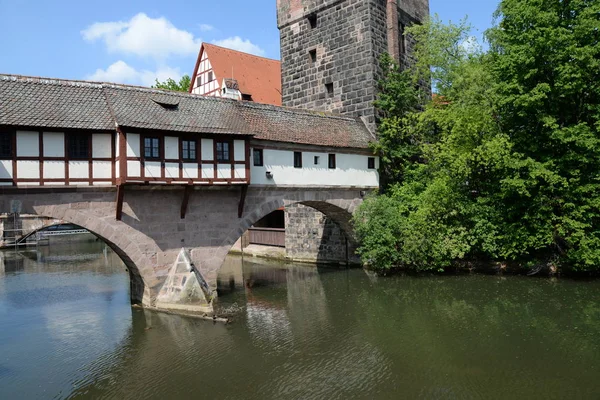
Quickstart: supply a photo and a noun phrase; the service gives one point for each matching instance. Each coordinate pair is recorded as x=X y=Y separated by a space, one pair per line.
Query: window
x=402 y=43
x=6 y=145
x=223 y=154
x=312 y=20
x=371 y=163
x=317 y=160
x=79 y=147
x=329 y=89
x=151 y=148
x=332 y=161
x=297 y=159
x=210 y=76
x=247 y=97
x=312 y=56
x=258 y=157
x=199 y=81
x=188 y=150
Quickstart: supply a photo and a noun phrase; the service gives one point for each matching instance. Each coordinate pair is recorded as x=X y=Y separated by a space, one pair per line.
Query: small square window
x=371 y=163
x=6 y=141
x=317 y=160
x=297 y=159
x=151 y=148
x=332 y=161
x=210 y=76
x=199 y=81
x=329 y=89
x=188 y=150
x=312 y=20
x=79 y=146
x=223 y=153
x=258 y=157
x=312 y=56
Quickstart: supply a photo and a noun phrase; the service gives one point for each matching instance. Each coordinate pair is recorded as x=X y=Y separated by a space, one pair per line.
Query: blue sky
x=136 y=41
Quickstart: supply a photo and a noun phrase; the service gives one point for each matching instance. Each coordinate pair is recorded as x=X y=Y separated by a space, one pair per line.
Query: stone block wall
x=311 y=236
x=330 y=52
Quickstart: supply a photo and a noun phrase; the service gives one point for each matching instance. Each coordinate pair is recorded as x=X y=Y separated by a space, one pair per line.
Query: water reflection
x=297 y=332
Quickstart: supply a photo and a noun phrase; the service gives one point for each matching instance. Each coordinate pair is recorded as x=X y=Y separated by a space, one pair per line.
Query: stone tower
x=330 y=50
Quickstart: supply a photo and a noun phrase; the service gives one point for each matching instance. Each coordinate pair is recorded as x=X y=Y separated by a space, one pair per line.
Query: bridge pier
x=151 y=233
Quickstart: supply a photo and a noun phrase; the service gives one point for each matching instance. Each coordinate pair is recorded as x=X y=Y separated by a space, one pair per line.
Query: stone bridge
x=157 y=222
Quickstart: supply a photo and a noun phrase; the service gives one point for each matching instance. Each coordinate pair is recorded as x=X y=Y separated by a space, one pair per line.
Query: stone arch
x=121 y=244
x=339 y=210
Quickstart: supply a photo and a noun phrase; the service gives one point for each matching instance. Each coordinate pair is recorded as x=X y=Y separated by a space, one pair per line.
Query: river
x=67 y=330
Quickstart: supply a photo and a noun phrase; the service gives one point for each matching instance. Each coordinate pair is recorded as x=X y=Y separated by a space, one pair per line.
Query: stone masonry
x=313 y=237
x=330 y=51
x=151 y=234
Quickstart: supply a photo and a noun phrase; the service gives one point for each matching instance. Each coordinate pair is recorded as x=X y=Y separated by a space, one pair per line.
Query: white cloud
x=121 y=72
x=143 y=36
x=206 y=27
x=237 y=43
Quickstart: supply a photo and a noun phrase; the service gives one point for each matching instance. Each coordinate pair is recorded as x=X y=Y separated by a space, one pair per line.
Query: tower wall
x=330 y=51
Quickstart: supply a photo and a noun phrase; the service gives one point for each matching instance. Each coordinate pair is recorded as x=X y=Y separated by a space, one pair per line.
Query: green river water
x=67 y=330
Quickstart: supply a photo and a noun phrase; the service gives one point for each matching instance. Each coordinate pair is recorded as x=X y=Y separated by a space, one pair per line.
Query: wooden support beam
x=242 y=201
x=186 y=200
x=120 y=196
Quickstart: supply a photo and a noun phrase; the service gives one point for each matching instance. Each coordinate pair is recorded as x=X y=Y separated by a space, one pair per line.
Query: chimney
x=393 y=30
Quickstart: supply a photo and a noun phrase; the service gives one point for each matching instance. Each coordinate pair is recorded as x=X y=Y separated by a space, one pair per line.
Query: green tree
x=508 y=164
x=170 y=84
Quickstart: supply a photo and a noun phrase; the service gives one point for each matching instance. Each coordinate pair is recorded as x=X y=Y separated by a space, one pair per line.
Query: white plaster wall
x=134 y=168
x=240 y=172
x=28 y=170
x=79 y=170
x=6 y=169
x=133 y=145
x=101 y=147
x=172 y=170
x=117 y=151
x=53 y=169
x=208 y=171
x=224 y=171
x=28 y=144
x=117 y=171
x=351 y=170
x=102 y=169
x=171 y=148
x=239 y=150
x=190 y=171
x=54 y=144
x=208 y=152
x=152 y=169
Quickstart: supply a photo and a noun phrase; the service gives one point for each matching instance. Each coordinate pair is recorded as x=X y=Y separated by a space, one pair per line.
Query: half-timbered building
x=73 y=133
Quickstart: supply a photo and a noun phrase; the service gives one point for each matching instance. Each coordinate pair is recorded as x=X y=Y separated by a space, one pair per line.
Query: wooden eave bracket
x=120 y=196
x=242 y=200
x=186 y=200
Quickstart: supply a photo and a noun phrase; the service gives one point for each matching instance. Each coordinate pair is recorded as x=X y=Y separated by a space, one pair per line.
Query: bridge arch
x=339 y=209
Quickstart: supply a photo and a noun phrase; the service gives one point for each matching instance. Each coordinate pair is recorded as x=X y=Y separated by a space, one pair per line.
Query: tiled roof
x=173 y=111
x=63 y=104
x=304 y=127
x=48 y=103
x=257 y=76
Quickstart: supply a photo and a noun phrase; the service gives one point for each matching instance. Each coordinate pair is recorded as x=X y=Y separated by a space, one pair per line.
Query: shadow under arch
x=118 y=245
x=332 y=209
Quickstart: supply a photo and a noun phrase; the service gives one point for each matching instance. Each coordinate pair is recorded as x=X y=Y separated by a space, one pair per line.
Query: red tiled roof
x=257 y=76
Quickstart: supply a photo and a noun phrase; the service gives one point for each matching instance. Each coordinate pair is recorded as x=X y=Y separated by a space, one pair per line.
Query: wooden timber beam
x=242 y=200
x=120 y=196
x=186 y=200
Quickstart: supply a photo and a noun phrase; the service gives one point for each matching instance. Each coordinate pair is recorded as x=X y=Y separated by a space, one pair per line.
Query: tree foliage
x=503 y=163
x=170 y=84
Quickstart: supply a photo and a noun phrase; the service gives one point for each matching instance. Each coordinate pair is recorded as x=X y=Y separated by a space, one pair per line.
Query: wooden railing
x=267 y=236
